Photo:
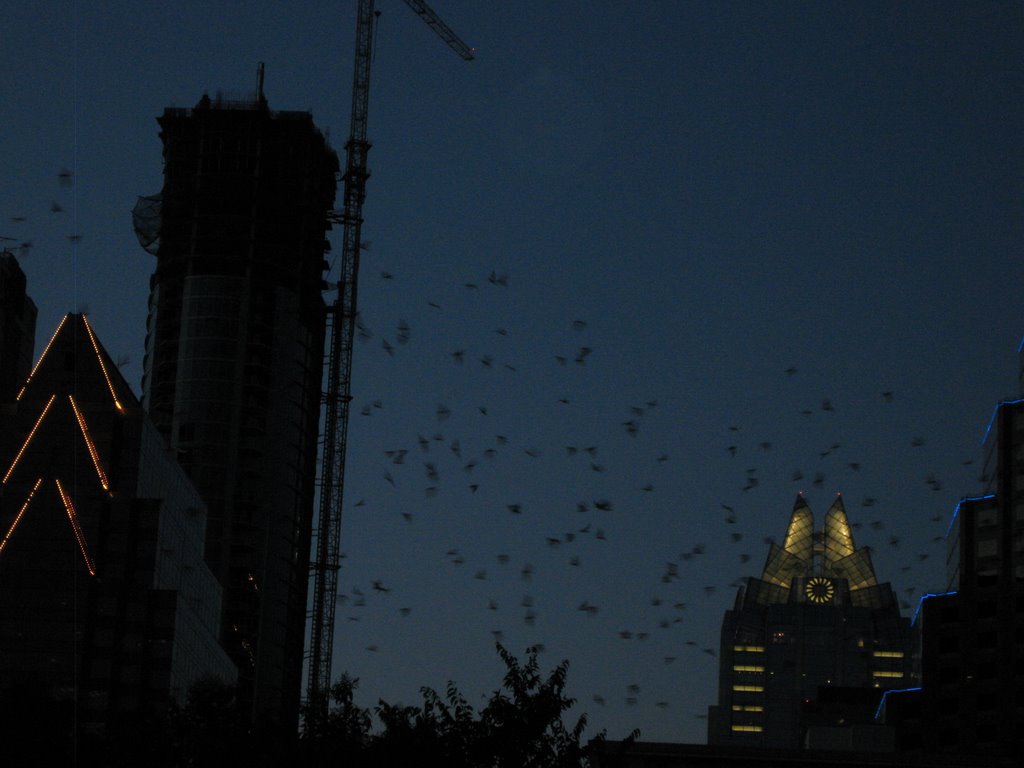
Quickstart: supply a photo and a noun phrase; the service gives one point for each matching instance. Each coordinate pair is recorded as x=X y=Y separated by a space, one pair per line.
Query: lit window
x=747 y=668
x=887 y=654
x=748 y=728
x=749 y=648
x=747 y=708
x=753 y=688
x=886 y=673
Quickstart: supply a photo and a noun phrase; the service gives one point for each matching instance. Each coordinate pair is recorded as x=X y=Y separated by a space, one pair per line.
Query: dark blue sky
x=718 y=191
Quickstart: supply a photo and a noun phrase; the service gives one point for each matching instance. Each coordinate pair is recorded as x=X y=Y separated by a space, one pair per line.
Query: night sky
x=635 y=264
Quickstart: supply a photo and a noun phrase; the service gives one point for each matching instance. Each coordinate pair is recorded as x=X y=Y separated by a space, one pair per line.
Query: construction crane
x=341 y=320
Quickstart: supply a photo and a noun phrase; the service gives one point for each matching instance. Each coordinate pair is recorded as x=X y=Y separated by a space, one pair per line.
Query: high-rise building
x=107 y=609
x=17 y=327
x=971 y=697
x=234 y=362
x=816 y=617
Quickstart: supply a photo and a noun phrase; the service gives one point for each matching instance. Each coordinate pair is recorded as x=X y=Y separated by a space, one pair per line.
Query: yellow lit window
x=754 y=688
x=747 y=668
x=747 y=708
x=749 y=648
x=748 y=728
x=887 y=654
x=886 y=673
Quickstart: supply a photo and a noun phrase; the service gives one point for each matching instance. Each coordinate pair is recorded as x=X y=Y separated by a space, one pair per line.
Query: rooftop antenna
x=259 y=83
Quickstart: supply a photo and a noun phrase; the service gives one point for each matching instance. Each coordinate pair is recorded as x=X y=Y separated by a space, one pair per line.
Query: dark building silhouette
x=17 y=327
x=234 y=362
x=647 y=754
x=107 y=609
x=971 y=697
x=817 y=617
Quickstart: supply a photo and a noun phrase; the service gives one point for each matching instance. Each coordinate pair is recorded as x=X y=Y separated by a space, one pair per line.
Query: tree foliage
x=521 y=726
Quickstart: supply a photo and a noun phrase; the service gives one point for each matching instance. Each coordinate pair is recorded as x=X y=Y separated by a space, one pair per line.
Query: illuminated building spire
x=828 y=552
x=800 y=534
x=837 y=535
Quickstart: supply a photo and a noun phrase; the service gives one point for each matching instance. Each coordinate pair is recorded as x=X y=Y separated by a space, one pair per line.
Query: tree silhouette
x=211 y=728
x=520 y=727
x=340 y=738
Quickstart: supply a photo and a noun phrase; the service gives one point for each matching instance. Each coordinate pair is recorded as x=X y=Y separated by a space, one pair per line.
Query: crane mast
x=341 y=321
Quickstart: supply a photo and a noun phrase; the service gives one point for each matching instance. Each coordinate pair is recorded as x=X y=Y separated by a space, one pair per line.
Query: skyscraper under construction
x=817 y=617
x=234 y=361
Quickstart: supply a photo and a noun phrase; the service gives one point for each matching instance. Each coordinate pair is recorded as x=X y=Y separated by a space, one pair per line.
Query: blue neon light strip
x=925 y=597
x=995 y=410
x=882 y=702
x=956 y=510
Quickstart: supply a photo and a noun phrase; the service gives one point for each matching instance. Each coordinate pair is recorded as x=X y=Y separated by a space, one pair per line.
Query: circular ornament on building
x=819 y=589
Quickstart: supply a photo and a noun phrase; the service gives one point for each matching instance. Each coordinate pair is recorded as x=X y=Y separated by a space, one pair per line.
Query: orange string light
x=79 y=536
x=28 y=439
x=93 y=453
x=21 y=512
x=45 y=350
x=103 y=367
